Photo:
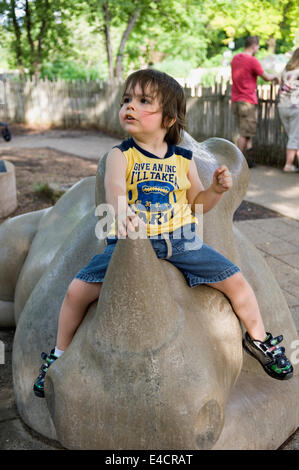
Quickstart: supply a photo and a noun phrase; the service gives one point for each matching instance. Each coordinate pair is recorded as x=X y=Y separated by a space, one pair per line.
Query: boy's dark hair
x=251 y=40
x=172 y=99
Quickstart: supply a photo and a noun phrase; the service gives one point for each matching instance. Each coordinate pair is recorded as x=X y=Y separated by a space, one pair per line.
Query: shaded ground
x=249 y=210
x=35 y=167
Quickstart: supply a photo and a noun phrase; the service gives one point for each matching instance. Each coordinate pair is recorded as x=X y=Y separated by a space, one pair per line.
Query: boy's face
x=141 y=113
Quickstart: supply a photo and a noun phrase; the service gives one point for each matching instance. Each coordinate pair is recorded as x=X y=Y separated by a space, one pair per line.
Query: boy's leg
x=259 y=344
x=79 y=295
x=198 y=266
x=244 y=303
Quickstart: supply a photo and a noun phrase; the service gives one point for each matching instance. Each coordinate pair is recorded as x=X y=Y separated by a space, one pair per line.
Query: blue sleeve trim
x=184 y=152
x=125 y=145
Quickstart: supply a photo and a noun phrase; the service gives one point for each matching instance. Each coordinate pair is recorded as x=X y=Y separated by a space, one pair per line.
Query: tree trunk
x=42 y=32
x=28 y=27
x=40 y=42
x=118 y=65
x=17 y=32
x=28 y=24
x=283 y=25
x=271 y=44
x=108 y=38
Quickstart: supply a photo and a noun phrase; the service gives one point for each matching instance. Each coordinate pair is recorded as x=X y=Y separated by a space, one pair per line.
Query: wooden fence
x=65 y=104
x=209 y=113
x=96 y=104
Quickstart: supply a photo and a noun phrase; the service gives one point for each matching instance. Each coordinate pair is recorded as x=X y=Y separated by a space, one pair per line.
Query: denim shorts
x=198 y=262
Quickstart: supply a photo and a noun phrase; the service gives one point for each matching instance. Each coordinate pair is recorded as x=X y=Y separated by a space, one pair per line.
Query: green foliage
x=175 y=67
x=37 y=30
x=215 y=61
x=69 y=70
x=70 y=39
x=269 y=19
x=4 y=51
x=47 y=193
x=172 y=28
x=208 y=78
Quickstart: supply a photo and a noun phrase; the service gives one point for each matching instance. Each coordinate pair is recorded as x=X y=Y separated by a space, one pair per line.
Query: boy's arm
x=222 y=181
x=116 y=192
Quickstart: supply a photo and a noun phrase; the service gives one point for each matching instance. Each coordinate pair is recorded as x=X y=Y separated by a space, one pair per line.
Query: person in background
x=288 y=108
x=245 y=70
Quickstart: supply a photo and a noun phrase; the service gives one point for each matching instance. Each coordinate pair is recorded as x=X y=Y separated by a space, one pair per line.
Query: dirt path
x=84 y=143
x=40 y=167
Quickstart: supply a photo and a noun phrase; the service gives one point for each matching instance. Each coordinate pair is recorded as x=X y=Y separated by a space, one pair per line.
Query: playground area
x=49 y=163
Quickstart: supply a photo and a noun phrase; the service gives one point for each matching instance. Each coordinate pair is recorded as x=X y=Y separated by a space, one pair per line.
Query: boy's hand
x=127 y=222
x=222 y=180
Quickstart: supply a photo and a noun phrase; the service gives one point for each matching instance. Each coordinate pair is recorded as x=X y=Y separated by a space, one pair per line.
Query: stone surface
x=255 y=394
x=57 y=225
x=152 y=391
x=14 y=435
x=7 y=313
x=16 y=236
x=8 y=190
x=265 y=233
x=146 y=369
x=271 y=190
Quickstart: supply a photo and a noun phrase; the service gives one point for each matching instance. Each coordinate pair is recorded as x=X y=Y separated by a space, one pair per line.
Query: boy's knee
x=82 y=293
x=240 y=282
x=242 y=289
x=239 y=278
x=237 y=285
x=73 y=292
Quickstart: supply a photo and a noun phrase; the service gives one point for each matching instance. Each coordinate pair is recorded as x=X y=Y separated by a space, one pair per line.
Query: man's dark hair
x=251 y=40
x=172 y=97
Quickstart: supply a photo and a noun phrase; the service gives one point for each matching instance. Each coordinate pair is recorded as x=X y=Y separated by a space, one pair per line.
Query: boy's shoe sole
x=38 y=393
x=275 y=375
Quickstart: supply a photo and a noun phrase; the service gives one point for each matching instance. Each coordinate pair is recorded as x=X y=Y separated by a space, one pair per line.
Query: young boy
x=156 y=182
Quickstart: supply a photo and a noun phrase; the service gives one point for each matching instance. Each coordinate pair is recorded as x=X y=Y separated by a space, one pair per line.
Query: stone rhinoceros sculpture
x=154 y=364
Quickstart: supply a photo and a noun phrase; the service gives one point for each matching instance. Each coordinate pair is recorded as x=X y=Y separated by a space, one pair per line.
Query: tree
x=108 y=14
x=134 y=33
x=134 y=24
x=272 y=20
x=37 y=28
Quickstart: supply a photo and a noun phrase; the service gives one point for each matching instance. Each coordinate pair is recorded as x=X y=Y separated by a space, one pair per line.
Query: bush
x=69 y=70
x=175 y=67
x=46 y=192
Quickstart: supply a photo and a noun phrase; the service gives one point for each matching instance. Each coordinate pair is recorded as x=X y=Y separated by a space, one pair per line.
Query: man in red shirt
x=245 y=70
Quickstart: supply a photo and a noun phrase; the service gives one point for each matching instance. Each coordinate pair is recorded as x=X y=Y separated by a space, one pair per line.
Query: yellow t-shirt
x=156 y=187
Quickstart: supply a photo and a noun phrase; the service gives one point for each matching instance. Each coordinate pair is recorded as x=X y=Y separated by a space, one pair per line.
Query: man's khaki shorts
x=246 y=118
